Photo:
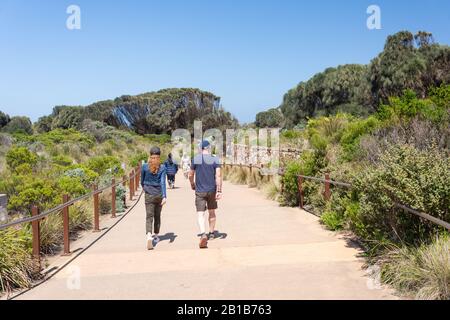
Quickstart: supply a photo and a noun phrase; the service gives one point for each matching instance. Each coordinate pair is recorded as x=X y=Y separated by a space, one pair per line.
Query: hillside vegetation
x=408 y=61
x=148 y=113
x=38 y=168
x=400 y=154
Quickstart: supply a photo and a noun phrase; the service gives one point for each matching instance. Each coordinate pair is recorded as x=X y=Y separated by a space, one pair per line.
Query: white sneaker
x=149 y=242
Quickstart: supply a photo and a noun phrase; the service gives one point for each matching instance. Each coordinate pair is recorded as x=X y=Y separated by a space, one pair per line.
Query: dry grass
x=423 y=271
x=269 y=185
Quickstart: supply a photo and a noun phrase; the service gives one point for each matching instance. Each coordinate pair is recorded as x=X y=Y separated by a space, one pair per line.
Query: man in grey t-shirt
x=205 y=169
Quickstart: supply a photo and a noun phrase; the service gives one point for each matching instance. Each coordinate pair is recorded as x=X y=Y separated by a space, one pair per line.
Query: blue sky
x=247 y=52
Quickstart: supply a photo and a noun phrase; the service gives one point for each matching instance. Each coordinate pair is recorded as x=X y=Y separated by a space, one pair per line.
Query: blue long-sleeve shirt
x=154 y=184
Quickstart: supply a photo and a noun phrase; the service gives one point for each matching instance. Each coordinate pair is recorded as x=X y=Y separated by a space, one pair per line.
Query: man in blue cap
x=205 y=170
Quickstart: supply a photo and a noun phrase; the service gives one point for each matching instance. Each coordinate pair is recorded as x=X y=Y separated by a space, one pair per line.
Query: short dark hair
x=155 y=151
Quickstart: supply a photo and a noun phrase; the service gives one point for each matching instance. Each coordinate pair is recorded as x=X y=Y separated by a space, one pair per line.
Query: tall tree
x=4 y=119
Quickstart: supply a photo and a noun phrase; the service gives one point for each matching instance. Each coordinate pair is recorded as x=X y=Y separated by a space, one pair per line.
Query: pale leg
x=201 y=219
x=212 y=220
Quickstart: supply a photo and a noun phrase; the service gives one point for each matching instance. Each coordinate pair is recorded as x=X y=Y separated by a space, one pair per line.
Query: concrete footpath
x=264 y=252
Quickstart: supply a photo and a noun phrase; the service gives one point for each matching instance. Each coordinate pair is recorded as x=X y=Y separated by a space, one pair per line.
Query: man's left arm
x=219 y=179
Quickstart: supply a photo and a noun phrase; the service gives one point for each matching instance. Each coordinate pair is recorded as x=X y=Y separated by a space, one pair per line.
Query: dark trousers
x=171 y=178
x=153 y=209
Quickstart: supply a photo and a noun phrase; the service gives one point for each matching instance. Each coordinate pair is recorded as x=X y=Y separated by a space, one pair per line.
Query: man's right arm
x=191 y=178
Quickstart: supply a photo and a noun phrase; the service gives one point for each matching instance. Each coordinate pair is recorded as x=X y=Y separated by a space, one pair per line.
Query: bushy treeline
x=149 y=113
x=407 y=62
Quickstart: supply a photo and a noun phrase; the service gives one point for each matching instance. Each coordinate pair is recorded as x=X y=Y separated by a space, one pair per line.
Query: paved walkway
x=266 y=252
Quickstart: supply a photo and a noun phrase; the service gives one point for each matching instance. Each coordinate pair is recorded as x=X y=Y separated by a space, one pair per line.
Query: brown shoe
x=203 y=242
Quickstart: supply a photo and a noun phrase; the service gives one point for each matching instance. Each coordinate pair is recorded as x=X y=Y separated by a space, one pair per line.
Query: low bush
x=105 y=164
x=419 y=179
x=17 y=156
x=352 y=134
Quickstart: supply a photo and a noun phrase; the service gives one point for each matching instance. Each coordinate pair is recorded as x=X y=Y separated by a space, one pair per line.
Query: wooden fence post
x=131 y=186
x=124 y=184
x=113 y=198
x=96 y=210
x=327 y=187
x=300 y=191
x=36 y=237
x=136 y=180
x=66 y=230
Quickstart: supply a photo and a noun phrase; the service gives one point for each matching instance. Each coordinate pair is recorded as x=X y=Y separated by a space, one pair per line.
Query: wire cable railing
x=132 y=180
x=327 y=194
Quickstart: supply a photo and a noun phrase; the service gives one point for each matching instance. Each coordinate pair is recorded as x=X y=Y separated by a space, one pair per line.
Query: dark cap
x=205 y=144
x=155 y=151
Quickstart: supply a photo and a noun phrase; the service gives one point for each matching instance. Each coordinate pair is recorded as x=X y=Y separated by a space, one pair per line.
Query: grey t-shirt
x=205 y=166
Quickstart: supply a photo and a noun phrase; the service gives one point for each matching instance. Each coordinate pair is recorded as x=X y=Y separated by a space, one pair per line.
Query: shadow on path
x=168 y=236
x=217 y=235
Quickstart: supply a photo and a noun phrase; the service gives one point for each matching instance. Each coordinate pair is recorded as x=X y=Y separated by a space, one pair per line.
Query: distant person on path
x=171 y=170
x=205 y=169
x=153 y=181
x=186 y=165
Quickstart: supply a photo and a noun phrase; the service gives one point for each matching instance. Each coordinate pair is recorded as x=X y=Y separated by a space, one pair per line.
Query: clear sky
x=248 y=52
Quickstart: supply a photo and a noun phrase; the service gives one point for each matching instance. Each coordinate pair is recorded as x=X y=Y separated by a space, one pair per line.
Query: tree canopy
x=408 y=61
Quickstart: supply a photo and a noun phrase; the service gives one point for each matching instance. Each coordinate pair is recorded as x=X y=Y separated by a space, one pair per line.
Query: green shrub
x=419 y=179
x=62 y=160
x=37 y=191
x=159 y=138
x=352 y=134
x=328 y=128
x=72 y=186
x=332 y=220
x=291 y=134
x=85 y=175
x=137 y=158
x=104 y=164
x=59 y=136
x=17 y=156
x=290 y=184
x=308 y=165
x=120 y=194
x=409 y=106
